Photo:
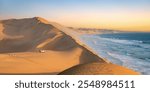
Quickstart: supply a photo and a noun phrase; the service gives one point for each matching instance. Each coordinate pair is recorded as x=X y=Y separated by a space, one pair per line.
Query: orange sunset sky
x=129 y=15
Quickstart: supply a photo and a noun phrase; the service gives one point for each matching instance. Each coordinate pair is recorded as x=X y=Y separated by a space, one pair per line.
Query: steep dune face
x=32 y=34
x=29 y=36
x=24 y=34
x=96 y=68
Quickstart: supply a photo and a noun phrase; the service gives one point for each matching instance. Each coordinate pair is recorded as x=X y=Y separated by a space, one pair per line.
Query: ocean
x=131 y=50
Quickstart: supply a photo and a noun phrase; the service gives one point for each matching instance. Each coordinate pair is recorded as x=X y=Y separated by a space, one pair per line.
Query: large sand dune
x=36 y=46
x=96 y=68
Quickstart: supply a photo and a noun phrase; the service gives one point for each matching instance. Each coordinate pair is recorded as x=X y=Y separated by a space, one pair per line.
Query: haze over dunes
x=36 y=46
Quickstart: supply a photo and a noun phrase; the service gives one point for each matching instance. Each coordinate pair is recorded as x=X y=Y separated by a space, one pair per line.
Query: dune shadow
x=24 y=35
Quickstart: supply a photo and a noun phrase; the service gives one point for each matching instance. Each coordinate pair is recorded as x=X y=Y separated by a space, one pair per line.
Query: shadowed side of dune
x=98 y=69
x=33 y=34
x=22 y=35
x=21 y=41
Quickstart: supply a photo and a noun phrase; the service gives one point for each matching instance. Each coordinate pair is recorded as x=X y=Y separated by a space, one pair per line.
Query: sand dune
x=98 y=69
x=36 y=46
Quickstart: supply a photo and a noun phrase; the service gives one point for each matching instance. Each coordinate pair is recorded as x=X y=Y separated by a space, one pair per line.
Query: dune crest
x=41 y=20
x=36 y=46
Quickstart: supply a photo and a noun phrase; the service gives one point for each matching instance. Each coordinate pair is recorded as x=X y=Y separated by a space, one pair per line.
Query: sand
x=37 y=46
x=97 y=68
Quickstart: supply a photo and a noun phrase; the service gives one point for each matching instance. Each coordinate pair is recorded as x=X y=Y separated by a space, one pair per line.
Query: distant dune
x=94 y=30
x=36 y=46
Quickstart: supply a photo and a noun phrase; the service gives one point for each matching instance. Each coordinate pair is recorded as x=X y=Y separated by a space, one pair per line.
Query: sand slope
x=22 y=40
x=98 y=69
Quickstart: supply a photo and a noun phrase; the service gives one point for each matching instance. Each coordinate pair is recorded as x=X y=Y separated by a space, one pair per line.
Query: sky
x=132 y=15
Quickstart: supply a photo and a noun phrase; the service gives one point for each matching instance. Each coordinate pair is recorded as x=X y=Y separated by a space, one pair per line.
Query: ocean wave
x=132 y=63
x=133 y=54
x=133 y=43
x=130 y=42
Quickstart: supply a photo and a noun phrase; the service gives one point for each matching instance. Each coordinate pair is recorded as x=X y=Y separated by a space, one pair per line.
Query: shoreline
x=119 y=49
x=74 y=35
